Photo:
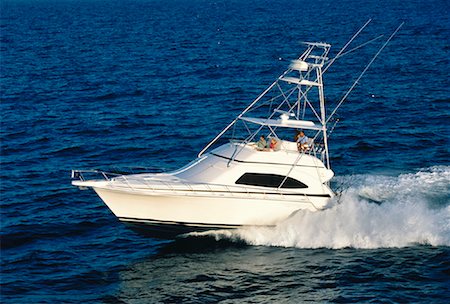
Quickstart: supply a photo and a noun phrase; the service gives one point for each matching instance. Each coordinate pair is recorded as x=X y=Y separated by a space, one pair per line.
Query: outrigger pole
x=364 y=71
x=346 y=45
x=358 y=47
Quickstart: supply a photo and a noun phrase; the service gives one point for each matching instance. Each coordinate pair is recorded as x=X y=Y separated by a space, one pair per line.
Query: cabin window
x=269 y=180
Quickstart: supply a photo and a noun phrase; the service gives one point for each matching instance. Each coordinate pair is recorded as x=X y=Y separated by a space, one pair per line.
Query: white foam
x=414 y=209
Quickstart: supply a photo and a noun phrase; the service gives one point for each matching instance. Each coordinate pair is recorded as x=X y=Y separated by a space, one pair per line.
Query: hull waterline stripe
x=187 y=224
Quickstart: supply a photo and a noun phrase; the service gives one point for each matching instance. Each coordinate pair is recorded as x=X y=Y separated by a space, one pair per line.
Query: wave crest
x=411 y=209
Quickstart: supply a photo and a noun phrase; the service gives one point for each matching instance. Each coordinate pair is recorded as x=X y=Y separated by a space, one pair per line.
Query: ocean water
x=95 y=84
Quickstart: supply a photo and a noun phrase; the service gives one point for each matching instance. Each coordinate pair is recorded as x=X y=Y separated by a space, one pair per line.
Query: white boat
x=239 y=184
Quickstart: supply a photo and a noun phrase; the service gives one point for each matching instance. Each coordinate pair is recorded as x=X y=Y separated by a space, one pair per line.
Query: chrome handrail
x=245 y=192
x=80 y=174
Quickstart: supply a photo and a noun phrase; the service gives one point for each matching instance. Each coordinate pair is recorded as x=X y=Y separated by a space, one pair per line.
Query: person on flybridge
x=263 y=145
x=274 y=146
x=302 y=141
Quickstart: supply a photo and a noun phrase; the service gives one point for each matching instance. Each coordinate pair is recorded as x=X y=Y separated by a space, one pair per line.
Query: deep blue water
x=101 y=84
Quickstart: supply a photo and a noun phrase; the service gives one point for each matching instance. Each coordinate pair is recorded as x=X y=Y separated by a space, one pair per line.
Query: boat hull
x=178 y=213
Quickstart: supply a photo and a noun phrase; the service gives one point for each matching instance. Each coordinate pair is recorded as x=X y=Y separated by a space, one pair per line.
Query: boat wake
x=410 y=209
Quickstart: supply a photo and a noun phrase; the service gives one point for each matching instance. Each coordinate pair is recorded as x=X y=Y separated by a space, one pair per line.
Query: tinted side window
x=269 y=180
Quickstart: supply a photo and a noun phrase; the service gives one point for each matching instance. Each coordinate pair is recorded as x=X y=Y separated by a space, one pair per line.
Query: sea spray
x=410 y=209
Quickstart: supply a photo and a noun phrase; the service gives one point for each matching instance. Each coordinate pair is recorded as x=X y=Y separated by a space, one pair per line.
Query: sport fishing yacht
x=245 y=181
